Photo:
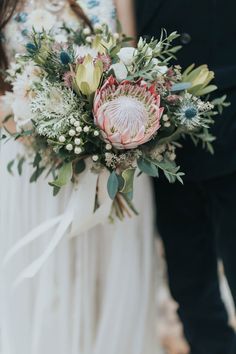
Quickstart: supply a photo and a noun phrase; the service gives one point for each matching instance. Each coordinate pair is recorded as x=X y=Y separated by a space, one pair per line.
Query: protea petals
x=127 y=113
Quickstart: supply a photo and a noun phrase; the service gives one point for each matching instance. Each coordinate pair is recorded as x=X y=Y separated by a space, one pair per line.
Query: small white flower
x=97 y=26
x=127 y=55
x=78 y=150
x=96 y=133
x=165 y=118
x=116 y=35
x=108 y=147
x=87 y=31
x=72 y=132
x=162 y=69
x=79 y=129
x=72 y=121
x=120 y=71
x=108 y=155
x=172 y=156
x=89 y=39
x=77 y=141
x=95 y=158
x=62 y=139
x=76 y=124
x=86 y=129
x=69 y=147
x=167 y=124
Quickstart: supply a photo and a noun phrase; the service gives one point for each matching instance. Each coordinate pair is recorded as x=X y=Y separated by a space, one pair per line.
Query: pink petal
x=125 y=138
x=131 y=145
x=161 y=110
x=115 y=138
x=106 y=124
x=97 y=100
x=140 y=134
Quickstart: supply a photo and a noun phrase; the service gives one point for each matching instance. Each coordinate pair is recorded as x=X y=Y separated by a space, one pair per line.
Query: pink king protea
x=127 y=113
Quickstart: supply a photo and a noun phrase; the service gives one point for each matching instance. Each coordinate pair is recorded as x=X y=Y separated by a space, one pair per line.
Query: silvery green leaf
x=181 y=86
x=64 y=175
x=112 y=185
x=147 y=167
x=128 y=176
x=9 y=166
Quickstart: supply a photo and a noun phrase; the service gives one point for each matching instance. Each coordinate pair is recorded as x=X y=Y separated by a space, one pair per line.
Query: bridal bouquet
x=93 y=102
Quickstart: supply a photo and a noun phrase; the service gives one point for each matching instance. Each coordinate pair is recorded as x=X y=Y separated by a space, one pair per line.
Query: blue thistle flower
x=31 y=48
x=65 y=58
x=191 y=112
x=188 y=114
x=21 y=17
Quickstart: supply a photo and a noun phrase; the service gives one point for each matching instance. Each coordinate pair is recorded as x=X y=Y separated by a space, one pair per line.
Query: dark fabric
x=208 y=33
x=197 y=223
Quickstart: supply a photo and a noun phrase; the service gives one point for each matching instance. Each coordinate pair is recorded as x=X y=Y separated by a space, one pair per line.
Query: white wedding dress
x=96 y=292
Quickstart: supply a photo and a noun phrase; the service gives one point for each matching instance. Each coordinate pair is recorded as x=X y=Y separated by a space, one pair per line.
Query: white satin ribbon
x=78 y=217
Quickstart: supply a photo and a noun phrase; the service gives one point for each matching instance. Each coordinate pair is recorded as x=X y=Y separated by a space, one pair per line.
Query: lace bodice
x=51 y=14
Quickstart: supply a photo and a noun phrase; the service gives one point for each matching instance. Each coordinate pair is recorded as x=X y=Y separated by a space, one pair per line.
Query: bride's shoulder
x=99 y=10
x=38 y=15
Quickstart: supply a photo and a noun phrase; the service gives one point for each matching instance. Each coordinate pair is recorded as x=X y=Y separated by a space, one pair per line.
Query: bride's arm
x=126 y=16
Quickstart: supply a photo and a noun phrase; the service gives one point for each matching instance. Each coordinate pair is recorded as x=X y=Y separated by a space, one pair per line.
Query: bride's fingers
x=175 y=345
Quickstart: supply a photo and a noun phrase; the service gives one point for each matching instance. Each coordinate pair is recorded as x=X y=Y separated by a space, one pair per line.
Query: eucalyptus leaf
x=113 y=185
x=147 y=167
x=10 y=166
x=128 y=176
x=37 y=160
x=181 y=86
x=80 y=166
x=20 y=165
x=56 y=190
x=36 y=174
x=64 y=175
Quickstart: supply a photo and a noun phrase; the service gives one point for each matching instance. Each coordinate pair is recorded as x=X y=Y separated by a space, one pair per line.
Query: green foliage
x=79 y=167
x=64 y=175
x=36 y=174
x=128 y=178
x=113 y=185
x=10 y=166
x=20 y=165
x=220 y=103
x=147 y=167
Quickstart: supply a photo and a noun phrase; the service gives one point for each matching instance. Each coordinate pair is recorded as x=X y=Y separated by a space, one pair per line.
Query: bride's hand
x=126 y=16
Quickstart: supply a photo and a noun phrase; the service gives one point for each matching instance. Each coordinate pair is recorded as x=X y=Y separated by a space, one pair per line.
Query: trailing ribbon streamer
x=78 y=217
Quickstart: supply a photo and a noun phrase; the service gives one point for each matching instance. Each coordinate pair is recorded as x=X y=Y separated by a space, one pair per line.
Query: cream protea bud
x=127 y=113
